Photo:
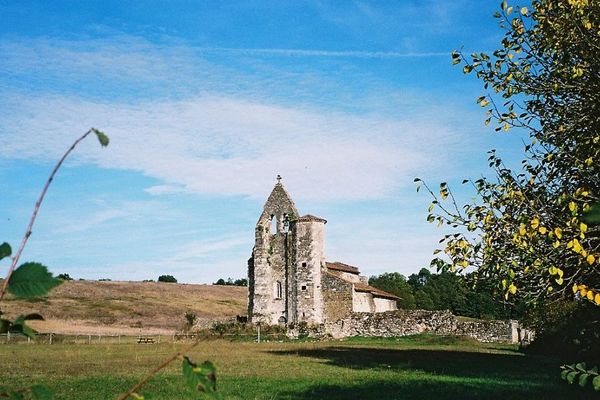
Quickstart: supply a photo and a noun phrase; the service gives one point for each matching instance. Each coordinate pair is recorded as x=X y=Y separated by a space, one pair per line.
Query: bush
x=167 y=278
x=64 y=277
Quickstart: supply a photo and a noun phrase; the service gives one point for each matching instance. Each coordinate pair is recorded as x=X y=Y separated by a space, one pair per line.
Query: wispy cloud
x=230 y=146
x=321 y=53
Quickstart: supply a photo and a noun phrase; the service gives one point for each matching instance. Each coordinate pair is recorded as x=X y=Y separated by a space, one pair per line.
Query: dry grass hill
x=90 y=307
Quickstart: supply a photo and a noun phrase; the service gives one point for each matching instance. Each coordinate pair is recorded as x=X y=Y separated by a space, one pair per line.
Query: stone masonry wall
x=412 y=322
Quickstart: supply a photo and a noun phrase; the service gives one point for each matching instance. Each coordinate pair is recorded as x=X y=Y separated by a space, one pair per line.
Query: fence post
x=28 y=340
x=7 y=336
x=89 y=339
x=158 y=338
x=50 y=337
x=258 y=331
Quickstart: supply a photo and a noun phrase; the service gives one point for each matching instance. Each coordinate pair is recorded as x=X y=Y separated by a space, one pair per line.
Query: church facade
x=289 y=279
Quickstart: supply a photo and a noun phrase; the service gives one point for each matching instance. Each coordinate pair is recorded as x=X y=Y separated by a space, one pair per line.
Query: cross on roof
x=278 y=178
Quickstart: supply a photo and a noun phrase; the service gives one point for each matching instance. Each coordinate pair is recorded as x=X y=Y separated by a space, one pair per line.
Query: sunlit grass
x=403 y=368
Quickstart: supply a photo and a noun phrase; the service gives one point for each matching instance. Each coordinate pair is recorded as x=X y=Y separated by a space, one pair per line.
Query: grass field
x=420 y=367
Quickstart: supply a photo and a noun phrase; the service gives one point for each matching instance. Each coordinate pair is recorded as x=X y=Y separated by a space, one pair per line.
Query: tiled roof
x=361 y=287
x=338 y=266
x=311 y=218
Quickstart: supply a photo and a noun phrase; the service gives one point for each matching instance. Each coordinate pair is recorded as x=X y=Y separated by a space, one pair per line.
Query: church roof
x=311 y=218
x=338 y=266
x=361 y=287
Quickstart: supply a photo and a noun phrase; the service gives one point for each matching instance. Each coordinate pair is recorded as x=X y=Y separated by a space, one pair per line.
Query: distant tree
x=423 y=300
x=64 y=277
x=417 y=281
x=395 y=283
x=167 y=278
x=231 y=282
x=104 y=280
x=241 y=282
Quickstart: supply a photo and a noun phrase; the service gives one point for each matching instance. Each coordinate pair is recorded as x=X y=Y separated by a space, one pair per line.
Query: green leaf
x=41 y=392
x=102 y=138
x=596 y=383
x=20 y=326
x=571 y=376
x=202 y=378
x=592 y=217
x=583 y=379
x=5 y=250
x=563 y=374
x=31 y=280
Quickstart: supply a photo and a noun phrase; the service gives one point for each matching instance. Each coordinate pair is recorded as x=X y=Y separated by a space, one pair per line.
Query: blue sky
x=207 y=101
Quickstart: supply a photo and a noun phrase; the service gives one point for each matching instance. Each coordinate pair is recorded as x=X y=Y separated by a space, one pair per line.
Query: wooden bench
x=147 y=340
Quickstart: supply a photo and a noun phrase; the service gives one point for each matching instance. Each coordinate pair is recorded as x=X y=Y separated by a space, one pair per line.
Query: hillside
x=91 y=307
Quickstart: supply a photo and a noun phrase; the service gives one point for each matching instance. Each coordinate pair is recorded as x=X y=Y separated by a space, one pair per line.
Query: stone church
x=289 y=279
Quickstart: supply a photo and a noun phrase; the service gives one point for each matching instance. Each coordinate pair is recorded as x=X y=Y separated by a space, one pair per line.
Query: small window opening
x=303 y=287
x=278 y=290
x=286 y=223
x=282 y=320
x=303 y=265
x=273 y=224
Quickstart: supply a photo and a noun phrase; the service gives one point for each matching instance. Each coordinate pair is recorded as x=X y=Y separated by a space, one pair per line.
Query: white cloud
x=223 y=145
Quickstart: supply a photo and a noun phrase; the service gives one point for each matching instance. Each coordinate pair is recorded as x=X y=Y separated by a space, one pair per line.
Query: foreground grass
x=408 y=368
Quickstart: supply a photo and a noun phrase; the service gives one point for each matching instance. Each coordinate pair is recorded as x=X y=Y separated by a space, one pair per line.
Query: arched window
x=278 y=290
x=273 y=224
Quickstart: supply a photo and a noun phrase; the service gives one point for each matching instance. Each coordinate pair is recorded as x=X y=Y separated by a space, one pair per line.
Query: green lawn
x=422 y=367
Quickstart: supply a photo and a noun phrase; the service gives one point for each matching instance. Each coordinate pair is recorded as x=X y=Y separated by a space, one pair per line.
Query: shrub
x=167 y=278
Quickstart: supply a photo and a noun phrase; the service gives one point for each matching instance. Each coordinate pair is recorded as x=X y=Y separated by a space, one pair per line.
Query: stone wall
x=337 y=298
x=412 y=322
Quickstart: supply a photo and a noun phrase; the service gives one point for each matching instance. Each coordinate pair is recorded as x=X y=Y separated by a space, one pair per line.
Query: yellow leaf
x=522 y=230
x=524 y=11
x=572 y=206
x=577 y=246
x=484 y=103
x=552 y=270
x=590 y=295
x=556 y=244
x=542 y=230
x=512 y=289
x=583 y=227
x=535 y=223
x=575 y=290
x=589 y=161
x=559 y=281
x=590 y=259
x=558 y=233
x=597 y=299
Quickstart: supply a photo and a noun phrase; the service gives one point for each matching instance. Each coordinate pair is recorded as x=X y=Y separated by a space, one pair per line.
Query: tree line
x=463 y=295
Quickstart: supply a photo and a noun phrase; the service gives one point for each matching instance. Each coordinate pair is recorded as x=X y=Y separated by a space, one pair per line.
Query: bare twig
x=15 y=258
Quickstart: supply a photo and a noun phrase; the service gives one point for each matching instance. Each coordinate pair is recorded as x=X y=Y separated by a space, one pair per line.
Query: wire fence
x=54 y=338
